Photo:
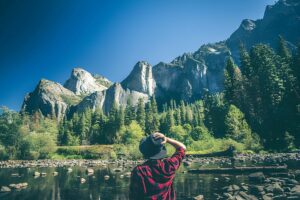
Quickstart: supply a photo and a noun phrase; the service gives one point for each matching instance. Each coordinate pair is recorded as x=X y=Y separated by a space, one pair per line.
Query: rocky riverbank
x=292 y=160
x=65 y=163
x=279 y=186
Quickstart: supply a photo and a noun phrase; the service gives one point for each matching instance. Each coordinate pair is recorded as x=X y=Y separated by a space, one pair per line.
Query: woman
x=154 y=178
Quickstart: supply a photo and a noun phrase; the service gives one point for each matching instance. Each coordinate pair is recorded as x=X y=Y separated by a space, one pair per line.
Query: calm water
x=67 y=186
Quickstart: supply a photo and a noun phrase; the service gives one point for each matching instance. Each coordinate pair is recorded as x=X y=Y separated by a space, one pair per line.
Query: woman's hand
x=158 y=135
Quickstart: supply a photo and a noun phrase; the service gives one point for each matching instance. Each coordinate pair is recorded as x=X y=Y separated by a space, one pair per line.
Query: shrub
x=42 y=144
x=200 y=133
x=132 y=133
x=178 y=133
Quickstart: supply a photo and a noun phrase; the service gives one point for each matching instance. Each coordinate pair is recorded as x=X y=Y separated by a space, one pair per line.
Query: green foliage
x=200 y=133
x=141 y=114
x=233 y=87
x=132 y=133
x=178 y=133
x=289 y=140
x=41 y=145
x=87 y=152
x=270 y=96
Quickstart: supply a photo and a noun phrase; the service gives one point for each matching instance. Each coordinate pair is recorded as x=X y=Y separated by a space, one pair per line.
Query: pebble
x=36 y=174
x=90 y=171
x=82 y=180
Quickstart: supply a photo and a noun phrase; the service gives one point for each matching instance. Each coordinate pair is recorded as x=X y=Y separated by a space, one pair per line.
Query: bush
x=41 y=145
x=128 y=151
x=178 y=133
x=3 y=153
x=200 y=133
x=132 y=133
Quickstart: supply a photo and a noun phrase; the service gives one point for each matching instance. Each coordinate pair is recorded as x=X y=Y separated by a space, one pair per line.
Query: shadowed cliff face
x=49 y=98
x=283 y=19
x=187 y=77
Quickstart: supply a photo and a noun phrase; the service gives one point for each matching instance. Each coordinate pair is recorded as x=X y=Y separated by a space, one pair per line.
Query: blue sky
x=46 y=39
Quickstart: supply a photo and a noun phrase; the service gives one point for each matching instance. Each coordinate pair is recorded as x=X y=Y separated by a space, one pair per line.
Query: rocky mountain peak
x=82 y=82
x=50 y=98
x=248 y=25
x=140 y=79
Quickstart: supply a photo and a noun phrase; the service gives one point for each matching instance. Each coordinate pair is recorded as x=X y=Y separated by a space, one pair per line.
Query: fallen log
x=266 y=169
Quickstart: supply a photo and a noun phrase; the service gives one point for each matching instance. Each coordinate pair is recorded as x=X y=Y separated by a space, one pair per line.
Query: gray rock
x=265 y=197
x=280 y=197
x=297 y=175
x=90 y=171
x=50 y=99
x=257 y=177
x=36 y=174
x=199 y=197
x=5 y=189
x=82 y=82
x=82 y=180
x=247 y=196
x=256 y=189
x=140 y=79
x=233 y=188
x=295 y=191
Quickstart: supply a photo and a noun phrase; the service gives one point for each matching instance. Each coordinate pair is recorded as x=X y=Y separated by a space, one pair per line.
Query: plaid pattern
x=154 y=178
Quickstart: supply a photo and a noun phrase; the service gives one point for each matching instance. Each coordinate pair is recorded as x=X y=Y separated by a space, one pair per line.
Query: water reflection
x=67 y=186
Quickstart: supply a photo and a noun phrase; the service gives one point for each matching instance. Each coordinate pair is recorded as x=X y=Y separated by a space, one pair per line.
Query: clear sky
x=47 y=38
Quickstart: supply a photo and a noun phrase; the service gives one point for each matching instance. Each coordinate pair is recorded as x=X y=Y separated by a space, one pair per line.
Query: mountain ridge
x=186 y=77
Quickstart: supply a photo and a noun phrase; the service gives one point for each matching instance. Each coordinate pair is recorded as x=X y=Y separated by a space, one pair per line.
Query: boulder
x=5 y=189
x=257 y=177
x=82 y=180
x=36 y=174
x=90 y=171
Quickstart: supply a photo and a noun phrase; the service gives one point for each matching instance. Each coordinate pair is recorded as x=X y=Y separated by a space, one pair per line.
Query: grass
x=85 y=151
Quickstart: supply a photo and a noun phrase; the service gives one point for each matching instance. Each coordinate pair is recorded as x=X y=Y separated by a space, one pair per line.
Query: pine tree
x=155 y=123
x=283 y=50
x=149 y=118
x=296 y=66
x=170 y=122
x=268 y=91
x=178 y=117
x=120 y=118
x=245 y=67
x=130 y=113
x=141 y=114
x=182 y=112
x=233 y=88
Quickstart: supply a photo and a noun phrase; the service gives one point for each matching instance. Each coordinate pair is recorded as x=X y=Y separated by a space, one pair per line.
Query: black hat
x=152 y=148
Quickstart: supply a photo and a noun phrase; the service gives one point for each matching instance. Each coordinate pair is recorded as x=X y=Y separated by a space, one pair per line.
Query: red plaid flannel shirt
x=154 y=178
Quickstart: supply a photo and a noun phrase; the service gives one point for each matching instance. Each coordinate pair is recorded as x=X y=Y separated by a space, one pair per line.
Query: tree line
x=259 y=109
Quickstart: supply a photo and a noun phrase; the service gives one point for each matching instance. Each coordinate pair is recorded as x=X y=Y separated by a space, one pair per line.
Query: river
x=66 y=185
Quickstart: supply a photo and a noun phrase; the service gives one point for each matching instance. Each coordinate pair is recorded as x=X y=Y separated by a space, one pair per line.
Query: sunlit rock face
x=93 y=101
x=120 y=96
x=82 y=82
x=141 y=79
x=104 y=100
x=49 y=98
